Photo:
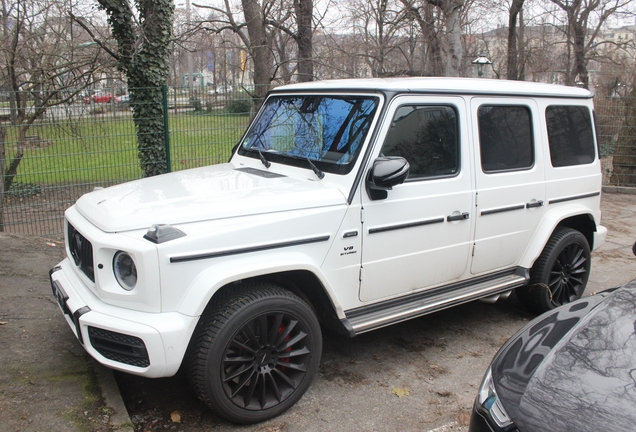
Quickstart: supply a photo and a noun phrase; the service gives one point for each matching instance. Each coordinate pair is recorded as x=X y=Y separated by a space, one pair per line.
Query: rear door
x=510 y=180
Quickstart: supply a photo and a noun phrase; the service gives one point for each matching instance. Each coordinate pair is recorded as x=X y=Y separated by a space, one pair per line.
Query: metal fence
x=91 y=142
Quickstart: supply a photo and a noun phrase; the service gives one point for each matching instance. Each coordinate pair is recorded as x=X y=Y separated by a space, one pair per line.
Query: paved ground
x=47 y=381
x=434 y=363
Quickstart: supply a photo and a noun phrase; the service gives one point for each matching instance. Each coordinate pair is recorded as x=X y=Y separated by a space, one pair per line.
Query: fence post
x=166 y=127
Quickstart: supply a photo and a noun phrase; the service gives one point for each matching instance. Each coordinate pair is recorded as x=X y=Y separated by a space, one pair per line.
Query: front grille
x=119 y=347
x=81 y=252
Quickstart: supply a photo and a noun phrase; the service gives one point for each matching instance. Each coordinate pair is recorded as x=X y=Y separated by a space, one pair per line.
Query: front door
x=419 y=236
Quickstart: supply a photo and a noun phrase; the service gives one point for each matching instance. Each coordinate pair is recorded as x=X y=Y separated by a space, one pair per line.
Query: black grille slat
x=81 y=252
x=119 y=347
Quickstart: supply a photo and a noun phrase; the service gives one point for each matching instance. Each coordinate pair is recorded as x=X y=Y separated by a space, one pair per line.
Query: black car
x=570 y=369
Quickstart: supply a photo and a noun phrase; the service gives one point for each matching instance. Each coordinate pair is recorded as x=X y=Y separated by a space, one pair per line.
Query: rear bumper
x=141 y=343
x=599 y=237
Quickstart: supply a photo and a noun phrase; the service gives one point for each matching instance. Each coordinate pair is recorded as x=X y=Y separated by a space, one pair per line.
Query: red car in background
x=101 y=98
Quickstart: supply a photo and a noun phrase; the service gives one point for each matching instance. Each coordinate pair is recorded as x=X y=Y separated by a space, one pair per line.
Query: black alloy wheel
x=560 y=274
x=255 y=354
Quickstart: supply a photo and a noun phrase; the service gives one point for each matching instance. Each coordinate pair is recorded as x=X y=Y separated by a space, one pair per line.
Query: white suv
x=351 y=204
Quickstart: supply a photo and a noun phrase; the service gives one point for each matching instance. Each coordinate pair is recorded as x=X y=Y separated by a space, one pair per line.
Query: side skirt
x=367 y=318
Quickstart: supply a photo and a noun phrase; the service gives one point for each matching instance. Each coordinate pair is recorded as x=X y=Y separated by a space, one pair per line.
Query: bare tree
x=584 y=20
x=258 y=25
x=43 y=64
x=429 y=23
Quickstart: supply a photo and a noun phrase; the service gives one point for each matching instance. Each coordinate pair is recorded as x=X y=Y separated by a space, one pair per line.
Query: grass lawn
x=94 y=149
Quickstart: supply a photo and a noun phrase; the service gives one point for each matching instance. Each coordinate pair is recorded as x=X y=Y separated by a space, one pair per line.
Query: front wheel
x=560 y=274
x=254 y=353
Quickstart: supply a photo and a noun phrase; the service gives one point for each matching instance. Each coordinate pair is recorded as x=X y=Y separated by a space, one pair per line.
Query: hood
x=214 y=192
x=588 y=383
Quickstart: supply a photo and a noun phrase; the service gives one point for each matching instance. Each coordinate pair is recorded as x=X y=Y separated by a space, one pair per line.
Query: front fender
x=216 y=276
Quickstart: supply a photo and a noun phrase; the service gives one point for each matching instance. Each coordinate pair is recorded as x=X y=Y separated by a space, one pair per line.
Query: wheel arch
x=580 y=219
x=303 y=283
x=292 y=273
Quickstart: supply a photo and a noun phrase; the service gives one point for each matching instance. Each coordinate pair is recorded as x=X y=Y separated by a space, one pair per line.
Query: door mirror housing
x=386 y=172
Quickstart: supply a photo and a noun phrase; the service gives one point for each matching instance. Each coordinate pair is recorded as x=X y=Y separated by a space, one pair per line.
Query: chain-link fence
x=91 y=142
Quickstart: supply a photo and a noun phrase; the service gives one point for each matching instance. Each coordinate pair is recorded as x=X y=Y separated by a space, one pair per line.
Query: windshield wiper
x=316 y=170
x=264 y=161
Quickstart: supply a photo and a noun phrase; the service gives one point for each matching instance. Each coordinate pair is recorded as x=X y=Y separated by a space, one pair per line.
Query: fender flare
x=220 y=274
x=547 y=226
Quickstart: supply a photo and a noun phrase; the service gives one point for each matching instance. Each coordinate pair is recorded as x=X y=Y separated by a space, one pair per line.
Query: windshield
x=327 y=130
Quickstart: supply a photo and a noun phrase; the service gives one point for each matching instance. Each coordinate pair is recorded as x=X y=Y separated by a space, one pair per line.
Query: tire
x=254 y=353
x=560 y=274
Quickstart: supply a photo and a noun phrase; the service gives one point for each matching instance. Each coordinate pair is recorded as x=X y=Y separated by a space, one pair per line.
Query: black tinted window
x=427 y=137
x=505 y=138
x=570 y=135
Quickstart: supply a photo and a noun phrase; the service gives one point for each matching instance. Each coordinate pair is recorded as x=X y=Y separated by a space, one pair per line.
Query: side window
x=570 y=135
x=505 y=138
x=427 y=137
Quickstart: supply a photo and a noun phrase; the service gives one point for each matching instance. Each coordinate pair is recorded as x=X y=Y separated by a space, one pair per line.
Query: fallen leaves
x=400 y=392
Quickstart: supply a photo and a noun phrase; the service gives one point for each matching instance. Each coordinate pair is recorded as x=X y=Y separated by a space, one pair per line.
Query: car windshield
x=324 y=129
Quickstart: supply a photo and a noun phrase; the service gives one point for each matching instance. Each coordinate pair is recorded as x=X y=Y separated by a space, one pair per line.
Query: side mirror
x=634 y=249
x=386 y=172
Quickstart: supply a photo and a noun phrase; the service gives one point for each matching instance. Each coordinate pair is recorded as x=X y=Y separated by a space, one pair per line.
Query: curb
x=619 y=190
x=119 y=420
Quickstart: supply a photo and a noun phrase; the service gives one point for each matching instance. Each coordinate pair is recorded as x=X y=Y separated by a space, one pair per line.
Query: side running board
x=367 y=318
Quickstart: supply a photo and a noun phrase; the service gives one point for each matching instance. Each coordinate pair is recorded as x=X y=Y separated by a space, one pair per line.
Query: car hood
x=215 y=192
x=587 y=382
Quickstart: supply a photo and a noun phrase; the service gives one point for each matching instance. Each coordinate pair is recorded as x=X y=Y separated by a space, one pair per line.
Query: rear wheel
x=255 y=353
x=560 y=274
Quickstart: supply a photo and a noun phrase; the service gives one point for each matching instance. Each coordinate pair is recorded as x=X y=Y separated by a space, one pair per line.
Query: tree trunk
x=12 y=170
x=580 y=62
x=260 y=48
x=3 y=135
x=146 y=68
x=431 y=37
x=304 y=14
x=521 y=48
x=450 y=9
x=513 y=53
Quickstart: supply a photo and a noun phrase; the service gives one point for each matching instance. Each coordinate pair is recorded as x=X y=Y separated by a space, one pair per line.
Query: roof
x=477 y=86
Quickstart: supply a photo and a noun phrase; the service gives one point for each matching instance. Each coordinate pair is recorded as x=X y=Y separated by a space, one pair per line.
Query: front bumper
x=141 y=343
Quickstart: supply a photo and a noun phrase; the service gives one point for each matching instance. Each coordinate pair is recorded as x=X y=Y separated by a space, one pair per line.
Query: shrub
x=239 y=102
x=24 y=190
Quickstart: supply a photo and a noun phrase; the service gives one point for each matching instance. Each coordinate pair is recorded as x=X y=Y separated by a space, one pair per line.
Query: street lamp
x=481 y=61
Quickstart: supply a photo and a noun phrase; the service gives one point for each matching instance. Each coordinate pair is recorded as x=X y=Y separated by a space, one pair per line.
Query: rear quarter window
x=570 y=135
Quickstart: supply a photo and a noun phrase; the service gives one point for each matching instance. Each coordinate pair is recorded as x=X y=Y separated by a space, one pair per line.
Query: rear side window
x=505 y=138
x=427 y=137
x=570 y=135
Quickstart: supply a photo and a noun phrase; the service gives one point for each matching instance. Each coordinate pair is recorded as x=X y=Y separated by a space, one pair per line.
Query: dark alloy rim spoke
x=567 y=274
x=258 y=372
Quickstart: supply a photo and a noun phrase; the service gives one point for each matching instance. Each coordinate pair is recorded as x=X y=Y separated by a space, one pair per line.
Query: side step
x=367 y=318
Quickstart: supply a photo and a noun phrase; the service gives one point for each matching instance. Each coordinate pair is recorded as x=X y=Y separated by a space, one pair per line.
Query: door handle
x=458 y=217
x=535 y=204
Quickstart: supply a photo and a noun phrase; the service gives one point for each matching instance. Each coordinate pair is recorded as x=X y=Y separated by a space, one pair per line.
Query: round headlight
x=125 y=270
